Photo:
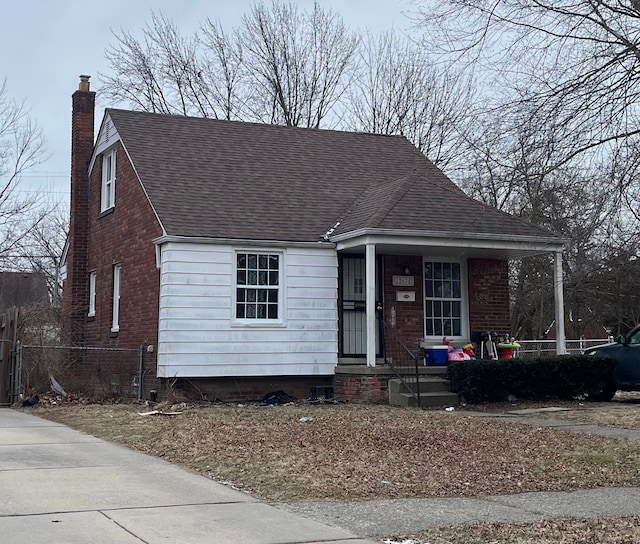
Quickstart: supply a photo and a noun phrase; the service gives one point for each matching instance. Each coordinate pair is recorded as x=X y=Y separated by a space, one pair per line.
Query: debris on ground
x=56 y=387
x=159 y=413
x=277 y=397
x=53 y=399
x=31 y=401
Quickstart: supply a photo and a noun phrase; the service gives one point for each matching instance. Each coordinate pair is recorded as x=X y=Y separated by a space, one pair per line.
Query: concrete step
x=428 y=384
x=427 y=400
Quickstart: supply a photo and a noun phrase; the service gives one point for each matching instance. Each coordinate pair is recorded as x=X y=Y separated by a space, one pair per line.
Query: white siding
x=198 y=336
x=107 y=136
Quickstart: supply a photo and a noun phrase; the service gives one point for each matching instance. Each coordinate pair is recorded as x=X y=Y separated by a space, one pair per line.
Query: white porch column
x=561 y=344
x=370 y=281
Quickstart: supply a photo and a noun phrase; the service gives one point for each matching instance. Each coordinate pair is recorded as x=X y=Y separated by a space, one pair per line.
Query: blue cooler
x=436 y=355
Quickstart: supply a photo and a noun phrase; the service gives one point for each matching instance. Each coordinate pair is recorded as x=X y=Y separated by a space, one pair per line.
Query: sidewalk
x=61 y=486
x=404 y=516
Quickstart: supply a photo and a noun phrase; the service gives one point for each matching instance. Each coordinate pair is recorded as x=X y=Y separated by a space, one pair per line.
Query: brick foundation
x=359 y=383
x=247 y=389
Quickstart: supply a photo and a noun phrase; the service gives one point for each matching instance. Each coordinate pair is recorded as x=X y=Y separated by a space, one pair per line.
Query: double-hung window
x=108 y=191
x=443 y=290
x=258 y=285
x=92 y=293
x=117 y=273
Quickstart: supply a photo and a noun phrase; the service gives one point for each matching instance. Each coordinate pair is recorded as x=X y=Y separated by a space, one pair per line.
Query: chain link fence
x=95 y=372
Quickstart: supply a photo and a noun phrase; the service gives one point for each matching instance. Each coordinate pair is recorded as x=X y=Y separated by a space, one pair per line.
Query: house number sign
x=403 y=281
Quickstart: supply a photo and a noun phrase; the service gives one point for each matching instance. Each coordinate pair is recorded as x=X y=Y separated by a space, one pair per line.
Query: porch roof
x=448 y=244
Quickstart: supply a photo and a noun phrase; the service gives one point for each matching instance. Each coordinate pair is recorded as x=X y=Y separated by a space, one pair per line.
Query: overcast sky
x=47 y=44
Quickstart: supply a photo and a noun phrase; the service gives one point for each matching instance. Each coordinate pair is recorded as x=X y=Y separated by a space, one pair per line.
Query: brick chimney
x=75 y=297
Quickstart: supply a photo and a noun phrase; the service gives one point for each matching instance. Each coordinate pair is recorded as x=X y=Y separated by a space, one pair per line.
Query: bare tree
x=222 y=72
x=298 y=61
x=160 y=74
x=560 y=137
x=577 y=62
x=281 y=65
x=41 y=250
x=519 y=166
x=21 y=148
x=399 y=90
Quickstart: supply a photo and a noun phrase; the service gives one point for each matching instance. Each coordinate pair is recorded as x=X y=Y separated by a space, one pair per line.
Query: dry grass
x=620 y=530
x=354 y=452
x=623 y=412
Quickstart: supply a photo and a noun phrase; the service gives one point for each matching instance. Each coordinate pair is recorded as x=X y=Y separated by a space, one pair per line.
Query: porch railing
x=403 y=362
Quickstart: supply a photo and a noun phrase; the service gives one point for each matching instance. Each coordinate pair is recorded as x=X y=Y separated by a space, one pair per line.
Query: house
x=249 y=258
x=19 y=289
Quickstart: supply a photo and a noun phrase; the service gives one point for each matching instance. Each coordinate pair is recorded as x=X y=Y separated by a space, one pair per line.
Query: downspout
x=370 y=282
x=141 y=372
x=561 y=343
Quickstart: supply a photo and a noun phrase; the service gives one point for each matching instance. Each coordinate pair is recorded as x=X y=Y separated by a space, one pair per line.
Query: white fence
x=532 y=348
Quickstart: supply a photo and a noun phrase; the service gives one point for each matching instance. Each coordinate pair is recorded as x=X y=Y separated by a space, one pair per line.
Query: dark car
x=626 y=374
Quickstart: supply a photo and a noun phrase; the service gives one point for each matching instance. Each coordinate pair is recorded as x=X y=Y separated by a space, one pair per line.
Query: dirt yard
x=359 y=452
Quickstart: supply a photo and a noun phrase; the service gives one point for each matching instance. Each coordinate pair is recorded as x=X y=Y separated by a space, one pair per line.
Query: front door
x=354 y=306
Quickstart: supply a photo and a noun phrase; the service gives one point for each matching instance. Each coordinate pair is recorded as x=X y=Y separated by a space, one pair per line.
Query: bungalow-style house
x=250 y=258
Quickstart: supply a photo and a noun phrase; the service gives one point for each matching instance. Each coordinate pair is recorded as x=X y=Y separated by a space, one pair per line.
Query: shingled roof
x=229 y=179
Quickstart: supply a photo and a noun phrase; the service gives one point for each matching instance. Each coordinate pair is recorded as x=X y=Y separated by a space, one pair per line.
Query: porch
x=424 y=286
x=398 y=293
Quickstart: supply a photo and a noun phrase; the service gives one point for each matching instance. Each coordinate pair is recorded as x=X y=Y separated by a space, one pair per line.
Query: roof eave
x=239 y=241
x=513 y=246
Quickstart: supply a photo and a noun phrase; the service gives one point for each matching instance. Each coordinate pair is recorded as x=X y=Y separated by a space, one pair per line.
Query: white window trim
x=260 y=323
x=92 y=293
x=117 y=276
x=108 y=198
x=464 y=302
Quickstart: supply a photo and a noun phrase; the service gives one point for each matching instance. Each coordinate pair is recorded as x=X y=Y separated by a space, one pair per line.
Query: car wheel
x=603 y=393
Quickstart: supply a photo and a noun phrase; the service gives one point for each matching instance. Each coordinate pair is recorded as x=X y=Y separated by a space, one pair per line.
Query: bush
x=561 y=377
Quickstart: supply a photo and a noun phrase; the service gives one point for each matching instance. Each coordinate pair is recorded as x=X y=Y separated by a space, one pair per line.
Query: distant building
x=19 y=289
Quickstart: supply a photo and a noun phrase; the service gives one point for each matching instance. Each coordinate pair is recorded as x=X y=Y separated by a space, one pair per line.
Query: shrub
x=561 y=377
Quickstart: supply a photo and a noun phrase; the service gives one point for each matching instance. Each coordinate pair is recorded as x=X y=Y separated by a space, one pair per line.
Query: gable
x=107 y=137
x=425 y=200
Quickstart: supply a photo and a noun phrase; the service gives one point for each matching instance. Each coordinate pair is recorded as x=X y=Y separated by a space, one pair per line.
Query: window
x=117 y=273
x=108 y=180
x=443 y=299
x=92 y=294
x=258 y=286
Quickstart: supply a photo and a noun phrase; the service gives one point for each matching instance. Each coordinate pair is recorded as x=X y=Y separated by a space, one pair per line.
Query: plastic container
x=436 y=355
x=506 y=350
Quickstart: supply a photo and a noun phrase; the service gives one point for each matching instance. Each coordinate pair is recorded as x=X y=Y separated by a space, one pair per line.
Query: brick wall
x=405 y=317
x=488 y=287
x=361 y=387
x=124 y=235
x=233 y=389
x=489 y=295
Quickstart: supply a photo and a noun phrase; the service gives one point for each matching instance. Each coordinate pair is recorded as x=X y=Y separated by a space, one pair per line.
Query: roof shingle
x=229 y=179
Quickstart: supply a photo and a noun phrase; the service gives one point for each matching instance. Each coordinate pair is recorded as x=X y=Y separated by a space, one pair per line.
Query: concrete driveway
x=58 y=485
